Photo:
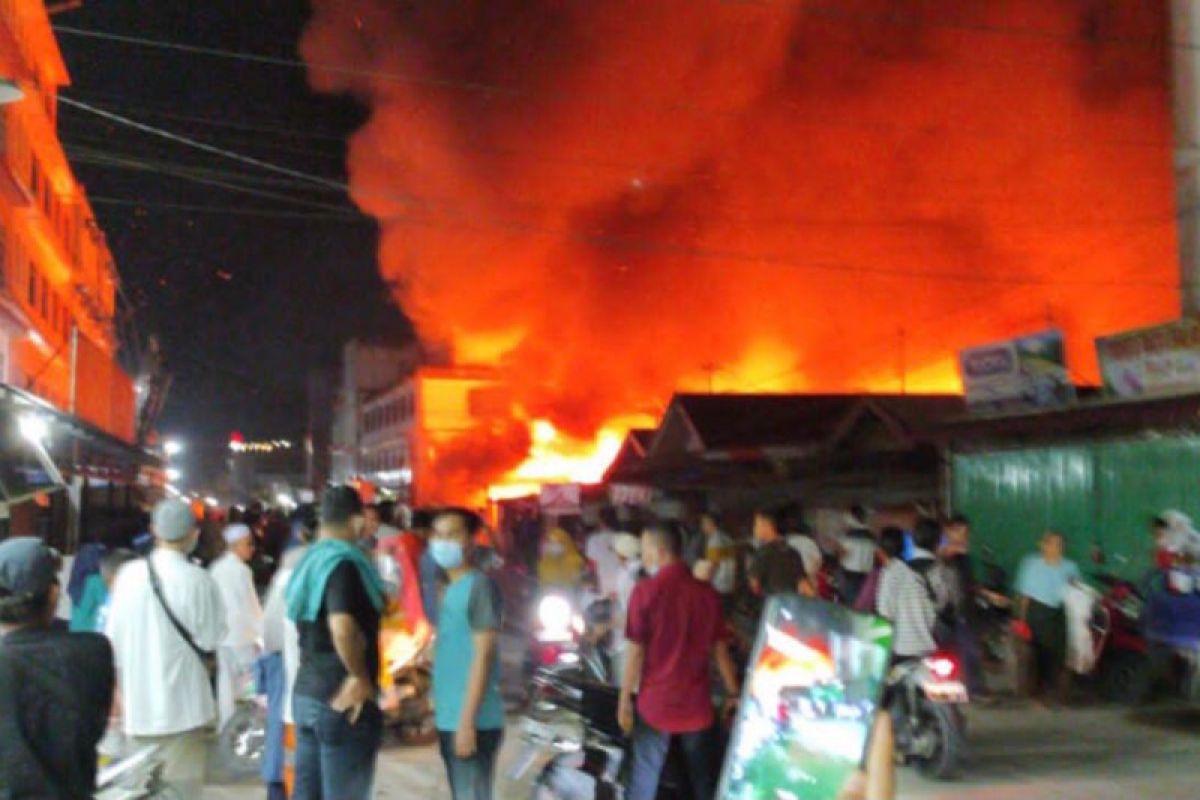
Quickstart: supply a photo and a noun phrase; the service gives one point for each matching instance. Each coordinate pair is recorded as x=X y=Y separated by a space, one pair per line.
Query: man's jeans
x=471 y=778
x=334 y=759
x=650 y=749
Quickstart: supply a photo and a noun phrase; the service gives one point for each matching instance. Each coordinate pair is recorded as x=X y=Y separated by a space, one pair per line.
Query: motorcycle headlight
x=554 y=613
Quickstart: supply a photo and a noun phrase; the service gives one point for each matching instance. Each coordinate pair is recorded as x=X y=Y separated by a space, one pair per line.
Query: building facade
x=58 y=283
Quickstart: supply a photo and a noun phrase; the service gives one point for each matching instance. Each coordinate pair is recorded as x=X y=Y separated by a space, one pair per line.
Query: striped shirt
x=904 y=600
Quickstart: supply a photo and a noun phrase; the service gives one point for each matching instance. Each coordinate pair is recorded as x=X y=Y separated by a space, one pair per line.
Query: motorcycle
x=407 y=703
x=925 y=698
x=136 y=777
x=242 y=742
x=1125 y=671
x=567 y=641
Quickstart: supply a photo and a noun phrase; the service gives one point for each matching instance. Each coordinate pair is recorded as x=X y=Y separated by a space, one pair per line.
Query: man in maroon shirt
x=674 y=629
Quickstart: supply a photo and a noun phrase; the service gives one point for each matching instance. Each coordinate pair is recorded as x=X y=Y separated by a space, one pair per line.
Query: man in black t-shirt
x=56 y=687
x=336 y=598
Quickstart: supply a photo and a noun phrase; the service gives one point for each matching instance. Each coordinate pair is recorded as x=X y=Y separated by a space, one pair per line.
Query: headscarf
x=564 y=569
x=1181 y=537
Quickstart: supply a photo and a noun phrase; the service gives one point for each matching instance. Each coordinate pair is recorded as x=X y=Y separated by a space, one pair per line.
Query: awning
x=73 y=447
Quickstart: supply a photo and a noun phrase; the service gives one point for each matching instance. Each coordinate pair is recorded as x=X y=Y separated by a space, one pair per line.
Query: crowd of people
x=162 y=642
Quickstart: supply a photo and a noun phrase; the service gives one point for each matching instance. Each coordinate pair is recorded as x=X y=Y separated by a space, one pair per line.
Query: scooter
x=1125 y=671
x=136 y=777
x=568 y=642
x=925 y=698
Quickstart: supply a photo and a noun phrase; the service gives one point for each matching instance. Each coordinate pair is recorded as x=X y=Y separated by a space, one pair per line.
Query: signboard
x=560 y=498
x=628 y=494
x=1164 y=359
x=1029 y=372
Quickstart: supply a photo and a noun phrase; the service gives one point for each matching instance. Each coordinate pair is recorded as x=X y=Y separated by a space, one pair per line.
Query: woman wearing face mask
x=561 y=565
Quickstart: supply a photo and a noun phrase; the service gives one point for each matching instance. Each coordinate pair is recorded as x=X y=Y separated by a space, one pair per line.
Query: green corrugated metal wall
x=1095 y=493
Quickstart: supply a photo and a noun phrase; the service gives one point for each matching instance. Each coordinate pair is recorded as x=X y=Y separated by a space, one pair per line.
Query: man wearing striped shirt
x=910 y=594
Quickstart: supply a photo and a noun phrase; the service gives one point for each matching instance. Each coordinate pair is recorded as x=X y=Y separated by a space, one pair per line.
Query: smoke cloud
x=614 y=199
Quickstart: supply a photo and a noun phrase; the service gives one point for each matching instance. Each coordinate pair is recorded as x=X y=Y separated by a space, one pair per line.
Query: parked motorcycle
x=136 y=777
x=1125 y=672
x=242 y=741
x=925 y=698
x=567 y=641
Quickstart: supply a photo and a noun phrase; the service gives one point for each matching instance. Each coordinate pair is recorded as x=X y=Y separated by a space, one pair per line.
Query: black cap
x=27 y=565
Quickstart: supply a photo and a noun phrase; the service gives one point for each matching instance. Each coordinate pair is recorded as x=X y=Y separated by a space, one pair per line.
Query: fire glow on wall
x=611 y=201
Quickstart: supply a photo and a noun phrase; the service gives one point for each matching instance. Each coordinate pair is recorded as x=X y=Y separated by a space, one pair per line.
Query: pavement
x=1019 y=751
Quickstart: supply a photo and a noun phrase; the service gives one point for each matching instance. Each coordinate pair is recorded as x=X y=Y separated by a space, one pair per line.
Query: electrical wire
x=231 y=210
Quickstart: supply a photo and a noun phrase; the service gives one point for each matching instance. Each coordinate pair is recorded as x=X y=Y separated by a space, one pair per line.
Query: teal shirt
x=1043 y=582
x=470 y=604
x=85 y=615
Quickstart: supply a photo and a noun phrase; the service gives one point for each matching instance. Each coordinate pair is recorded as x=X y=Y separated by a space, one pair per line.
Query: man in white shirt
x=166 y=690
x=243 y=617
x=599 y=551
x=720 y=552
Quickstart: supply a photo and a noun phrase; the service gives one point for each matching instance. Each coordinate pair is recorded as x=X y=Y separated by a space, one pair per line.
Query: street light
x=172 y=447
x=10 y=92
x=173 y=475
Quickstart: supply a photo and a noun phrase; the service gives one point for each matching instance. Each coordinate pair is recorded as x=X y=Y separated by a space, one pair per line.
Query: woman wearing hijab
x=561 y=565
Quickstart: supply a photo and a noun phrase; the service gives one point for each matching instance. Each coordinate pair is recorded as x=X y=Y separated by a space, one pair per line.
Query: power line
x=231 y=210
x=277 y=61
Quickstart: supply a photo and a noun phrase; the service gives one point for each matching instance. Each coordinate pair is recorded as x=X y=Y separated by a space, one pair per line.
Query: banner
x=1029 y=372
x=561 y=498
x=1164 y=359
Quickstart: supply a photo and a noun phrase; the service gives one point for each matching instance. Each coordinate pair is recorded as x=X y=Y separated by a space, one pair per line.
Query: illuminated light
x=173 y=474
x=34 y=428
x=172 y=447
x=284 y=500
x=212 y=502
x=942 y=667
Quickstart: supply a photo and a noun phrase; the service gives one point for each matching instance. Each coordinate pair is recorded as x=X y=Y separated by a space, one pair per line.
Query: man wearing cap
x=243 y=616
x=55 y=687
x=166 y=612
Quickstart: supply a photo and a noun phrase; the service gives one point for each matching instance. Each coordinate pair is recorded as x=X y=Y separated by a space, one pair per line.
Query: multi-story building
x=57 y=280
x=367 y=369
x=406 y=427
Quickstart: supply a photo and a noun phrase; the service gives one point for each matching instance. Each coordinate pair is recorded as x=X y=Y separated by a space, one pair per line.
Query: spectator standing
x=243 y=616
x=561 y=566
x=720 y=552
x=956 y=555
x=776 y=568
x=1041 y=585
x=469 y=713
x=598 y=548
x=433 y=577
x=336 y=598
x=165 y=622
x=674 y=632
x=56 y=687
x=856 y=554
x=629 y=553
x=89 y=615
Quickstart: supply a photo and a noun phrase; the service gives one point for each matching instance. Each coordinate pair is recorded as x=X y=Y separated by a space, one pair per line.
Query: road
x=1017 y=752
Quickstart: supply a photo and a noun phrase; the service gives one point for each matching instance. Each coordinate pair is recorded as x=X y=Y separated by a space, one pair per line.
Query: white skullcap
x=235 y=533
x=173 y=520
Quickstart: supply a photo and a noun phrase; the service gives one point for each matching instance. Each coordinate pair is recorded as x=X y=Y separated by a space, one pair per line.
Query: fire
x=608 y=202
x=558 y=458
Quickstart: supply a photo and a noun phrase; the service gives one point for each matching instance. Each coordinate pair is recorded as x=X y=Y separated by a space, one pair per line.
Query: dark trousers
x=471 y=778
x=966 y=645
x=1049 y=628
x=650 y=749
x=334 y=759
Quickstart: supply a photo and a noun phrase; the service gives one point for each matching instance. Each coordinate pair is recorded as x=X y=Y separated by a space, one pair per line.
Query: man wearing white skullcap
x=243 y=617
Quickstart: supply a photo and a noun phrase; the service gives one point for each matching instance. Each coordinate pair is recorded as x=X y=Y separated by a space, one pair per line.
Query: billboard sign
x=561 y=498
x=1029 y=372
x=1161 y=360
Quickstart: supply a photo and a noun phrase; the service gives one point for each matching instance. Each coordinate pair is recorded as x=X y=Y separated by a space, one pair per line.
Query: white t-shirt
x=164 y=686
x=279 y=632
x=599 y=550
x=809 y=550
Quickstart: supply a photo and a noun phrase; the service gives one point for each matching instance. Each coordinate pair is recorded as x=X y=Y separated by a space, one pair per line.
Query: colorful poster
x=1161 y=360
x=1029 y=372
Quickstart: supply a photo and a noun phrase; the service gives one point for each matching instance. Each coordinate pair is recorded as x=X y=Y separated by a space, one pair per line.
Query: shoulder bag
x=207 y=658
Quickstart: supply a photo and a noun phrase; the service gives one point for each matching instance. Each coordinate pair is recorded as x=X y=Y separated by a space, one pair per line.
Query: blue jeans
x=471 y=778
x=334 y=759
x=650 y=750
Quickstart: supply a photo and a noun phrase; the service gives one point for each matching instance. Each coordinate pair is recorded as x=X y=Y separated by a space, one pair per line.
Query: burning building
x=608 y=202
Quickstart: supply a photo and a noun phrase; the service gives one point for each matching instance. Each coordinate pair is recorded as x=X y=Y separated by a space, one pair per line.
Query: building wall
x=366 y=370
x=57 y=279
x=1097 y=493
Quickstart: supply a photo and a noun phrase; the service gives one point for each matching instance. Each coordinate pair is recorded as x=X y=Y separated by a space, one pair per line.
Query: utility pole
x=903 y=361
x=711 y=370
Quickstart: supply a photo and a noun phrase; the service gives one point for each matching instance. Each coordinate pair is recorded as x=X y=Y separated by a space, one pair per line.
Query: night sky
x=248 y=297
